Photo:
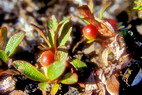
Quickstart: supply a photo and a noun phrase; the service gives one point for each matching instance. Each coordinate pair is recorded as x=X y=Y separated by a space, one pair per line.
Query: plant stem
x=42 y=34
x=45 y=71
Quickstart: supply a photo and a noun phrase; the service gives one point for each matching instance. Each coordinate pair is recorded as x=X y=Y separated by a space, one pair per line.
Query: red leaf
x=92 y=21
x=103 y=28
x=85 y=11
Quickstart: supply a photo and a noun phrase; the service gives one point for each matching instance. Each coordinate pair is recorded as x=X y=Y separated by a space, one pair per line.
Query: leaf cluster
x=57 y=36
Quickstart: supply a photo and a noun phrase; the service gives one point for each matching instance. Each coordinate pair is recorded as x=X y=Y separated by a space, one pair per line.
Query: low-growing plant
x=96 y=28
x=54 y=59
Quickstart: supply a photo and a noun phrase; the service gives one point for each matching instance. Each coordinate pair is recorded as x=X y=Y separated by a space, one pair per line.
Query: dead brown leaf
x=104 y=56
x=87 y=15
x=85 y=11
x=112 y=85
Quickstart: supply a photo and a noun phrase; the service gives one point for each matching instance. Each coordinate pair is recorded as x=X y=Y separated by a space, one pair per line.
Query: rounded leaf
x=55 y=70
x=69 y=78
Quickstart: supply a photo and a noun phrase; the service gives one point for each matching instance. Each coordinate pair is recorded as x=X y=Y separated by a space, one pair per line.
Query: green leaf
x=29 y=71
x=104 y=7
x=69 y=78
x=79 y=65
x=136 y=7
x=54 y=89
x=3 y=35
x=3 y=56
x=55 y=70
x=52 y=25
x=84 y=20
x=43 y=86
x=64 y=32
x=64 y=20
x=13 y=42
x=62 y=54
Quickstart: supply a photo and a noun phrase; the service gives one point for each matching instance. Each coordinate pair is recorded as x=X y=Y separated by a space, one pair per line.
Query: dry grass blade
x=78 y=43
x=104 y=57
x=43 y=46
x=3 y=36
x=105 y=6
x=10 y=72
x=105 y=29
x=42 y=34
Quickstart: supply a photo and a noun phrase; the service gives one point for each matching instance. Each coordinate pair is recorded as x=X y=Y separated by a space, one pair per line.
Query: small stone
x=17 y=92
x=7 y=84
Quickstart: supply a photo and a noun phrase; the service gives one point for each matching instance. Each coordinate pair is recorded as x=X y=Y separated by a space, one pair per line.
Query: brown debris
x=112 y=85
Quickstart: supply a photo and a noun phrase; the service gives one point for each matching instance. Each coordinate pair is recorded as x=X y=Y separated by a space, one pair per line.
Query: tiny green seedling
x=54 y=59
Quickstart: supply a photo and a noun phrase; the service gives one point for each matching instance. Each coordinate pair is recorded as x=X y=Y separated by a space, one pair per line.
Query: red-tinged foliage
x=113 y=22
x=87 y=15
x=102 y=27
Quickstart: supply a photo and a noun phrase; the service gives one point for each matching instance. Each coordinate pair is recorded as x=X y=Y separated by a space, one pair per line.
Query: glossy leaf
x=69 y=78
x=3 y=56
x=52 y=25
x=64 y=33
x=55 y=70
x=3 y=35
x=78 y=64
x=29 y=71
x=54 y=89
x=13 y=42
